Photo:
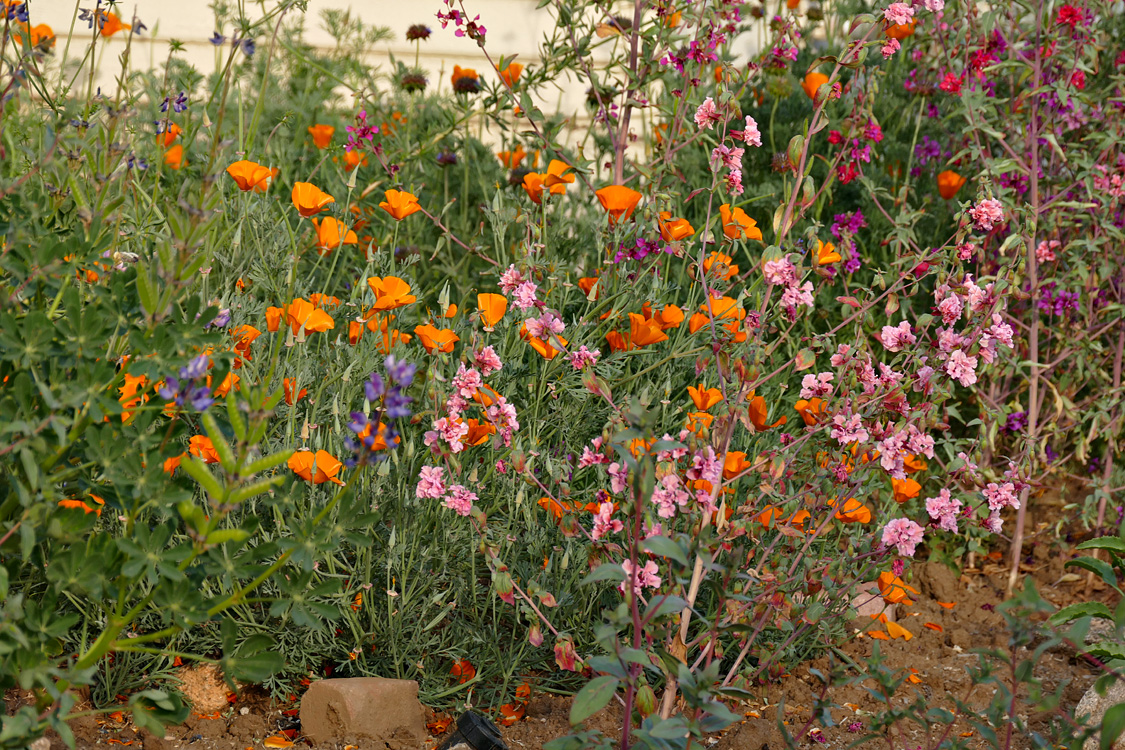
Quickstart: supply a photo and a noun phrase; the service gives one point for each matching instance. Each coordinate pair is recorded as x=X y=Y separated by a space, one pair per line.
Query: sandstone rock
x=939 y=582
x=383 y=710
x=868 y=603
x=42 y=743
x=1095 y=706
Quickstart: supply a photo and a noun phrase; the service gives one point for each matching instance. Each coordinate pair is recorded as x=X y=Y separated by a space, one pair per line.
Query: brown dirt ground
x=939 y=658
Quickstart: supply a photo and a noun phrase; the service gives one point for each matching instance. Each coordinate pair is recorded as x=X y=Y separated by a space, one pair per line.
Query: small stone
x=386 y=711
x=42 y=743
x=244 y=710
x=869 y=603
x=1096 y=705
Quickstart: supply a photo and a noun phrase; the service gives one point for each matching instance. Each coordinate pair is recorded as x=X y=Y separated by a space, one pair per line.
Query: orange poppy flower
x=913 y=464
x=434 y=339
x=110 y=24
x=463 y=670
x=201 y=446
x=773 y=515
x=301 y=313
x=674 y=230
x=812 y=410
x=328 y=234
x=173 y=463
x=586 y=284
x=905 y=489
x=486 y=396
x=734 y=464
x=35 y=34
x=128 y=395
x=321 y=135
x=545 y=350
x=719 y=266
x=812 y=82
x=309 y=200
x=512 y=159
x=168 y=137
x=174 y=157
x=451 y=311
x=736 y=224
x=492 y=308
x=390 y=292
x=400 y=204
x=704 y=398
x=354 y=158
x=949 y=183
x=533 y=186
x=324 y=301
x=852 y=511
x=249 y=175
x=758 y=415
x=273 y=318
x=74 y=503
x=619 y=201
x=381 y=325
x=326 y=466
x=355 y=332
x=464 y=79
x=901 y=31
x=558 y=177
x=669 y=317
x=698 y=421
x=617 y=342
x=643 y=332
x=229 y=382
x=510 y=713
x=893 y=589
x=289 y=385
x=511 y=73
x=478 y=432
x=826 y=254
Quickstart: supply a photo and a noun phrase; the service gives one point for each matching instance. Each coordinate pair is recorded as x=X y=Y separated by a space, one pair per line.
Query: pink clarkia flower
x=897 y=338
x=431 y=483
x=707 y=114
x=987 y=214
x=904 y=535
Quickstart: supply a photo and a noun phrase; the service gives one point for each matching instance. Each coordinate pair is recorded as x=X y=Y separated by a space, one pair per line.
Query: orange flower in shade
x=558 y=177
x=826 y=254
x=674 y=230
x=435 y=339
x=704 y=398
x=249 y=175
x=229 y=382
x=643 y=332
x=949 y=183
x=478 y=432
x=912 y=463
x=811 y=411
x=698 y=421
x=321 y=135
x=759 y=415
x=510 y=74
x=905 y=489
x=492 y=308
x=201 y=446
x=326 y=467
x=619 y=201
x=852 y=511
x=545 y=350
x=324 y=301
x=353 y=159
x=512 y=159
x=289 y=385
x=128 y=395
x=734 y=464
x=463 y=670
x=273 y=318
x=35 y=34
x=774 y=516
x=736 y=224
x=355 y=332
x=74 y=503
x=304 y=314
x=719 y=266
x=173 y=463
x=586 y=284
x=812 y=82
x=486 y=396
x=168 y=137
x=400 y=204
x=331 y=233
x=309 y=200
x=510 y=713
x=110 y=24
x=390 y=292
x=893 y=589
x=901 y=31
x=533 y=186
x=174 y=157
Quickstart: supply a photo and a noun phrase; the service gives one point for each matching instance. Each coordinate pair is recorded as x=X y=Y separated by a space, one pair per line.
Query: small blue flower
x=217 y=39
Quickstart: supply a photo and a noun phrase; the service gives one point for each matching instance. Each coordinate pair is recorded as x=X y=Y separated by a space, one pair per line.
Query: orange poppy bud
x=329 y=232
x=273 y=318
x=303 y=464
x=905 y=489
x=704 y=398
x=949 y=183
x=289 y=385
x=390 y=292
x=558 y=177
x=533 y=186
x=434 y=339
x=736 y=224
x=355 y=332
x=674 y=230
x=309 y=200
x=492 y=308
x=400 y=204
x=619 y=201
x=812 y=82
x=321 y=135
x=250 y=175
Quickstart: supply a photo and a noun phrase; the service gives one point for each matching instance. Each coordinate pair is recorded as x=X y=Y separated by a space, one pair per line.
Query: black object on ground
x=476 y=731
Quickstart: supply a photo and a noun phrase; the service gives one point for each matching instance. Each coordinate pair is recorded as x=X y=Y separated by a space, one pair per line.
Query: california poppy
x=674 y=230
x=355 y=332
x=321 y=135
x=436 y=340
x=852 y=511
x=486 y=396
x=737 y=224
x=400 y=204
x=545 y=350
x=128 y=394
x=328 y=234
x=463 y=670
x=309 y=200
x=772 y=516
x=735 y=464
x=619 y=201
x=897 y=631
x=704 y=398
x=273 y=318
x=292 y=396
x=110 y=24
x=758 y=412
x=826 y=254
x=301 y=313
x=719 y=266
x=174 y=157
x=390 y=292
x=812 y=82
x=698 y=421
x=913 y=463
x=450 y=311
x=303 y=464
x=478 y=432
x=36 y=34
x=465 y=80
x=229 y=381
x=380 y=324
x=811 y=411
x=905 y=489
x=949 y=183
x=511 y=73
x=249 y=175
x=354 y=158
x=901 y=31
x=670 y=316
x=558 y=177
x=201 y=446
x=510 y=713
x=512 y=159
x=492 y=308
x=643 y=332
x=168 y=137
x=173 y=463
x=586 y=284
x=893 y=589
x=533 y=186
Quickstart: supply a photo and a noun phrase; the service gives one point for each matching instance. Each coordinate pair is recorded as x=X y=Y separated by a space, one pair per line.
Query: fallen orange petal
x=878 y=635
x=947 y=605
x=277 y=741
x=933 y=626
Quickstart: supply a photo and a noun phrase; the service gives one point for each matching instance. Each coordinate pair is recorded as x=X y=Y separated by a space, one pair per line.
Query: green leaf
x=605 y=572
x=593 y=698
x=1114 y=544
x=1113 y=723
x=665 y=547
x=1082 y=609
x=196 y=469
x=1101 y=567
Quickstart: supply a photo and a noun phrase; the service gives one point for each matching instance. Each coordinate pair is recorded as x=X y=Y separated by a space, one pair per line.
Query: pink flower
x=603 y=523
x=488 y=361
x=817 y=385
x=890 y=47
x=645 y=577
x=987 y=213
x=707 y=114
x=525 y=295
x=449 y=430
x=751 y=135
x=797 y=295
x=962 y=368
x=618 y=478
x=725 y=156
x=467 y=381
x=934 y=6
x=849 y=429
x=582 y=357
x=944 y=509
x=779 y=272
x=965 y=250
x=951 y=308
x=430 y=483
x=546 y=324
x=1045 y=251
x=993 y=523
x=733 y=182
x=460 y=500
x=669 y=495
x=897 y=338
x=1000 y=496
x=904 y=535
x=898 y=14
x=510 y=279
